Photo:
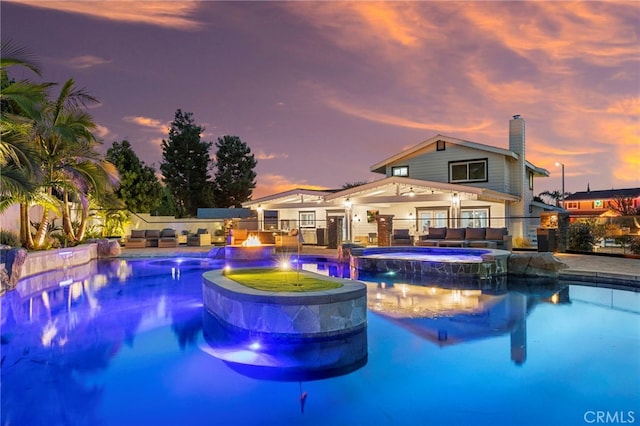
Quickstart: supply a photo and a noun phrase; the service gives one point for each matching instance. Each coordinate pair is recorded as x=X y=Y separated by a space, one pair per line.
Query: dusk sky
x=320 y=91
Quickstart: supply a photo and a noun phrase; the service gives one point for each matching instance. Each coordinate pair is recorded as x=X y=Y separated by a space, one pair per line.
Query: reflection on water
x=65 y=335
x=295 y=359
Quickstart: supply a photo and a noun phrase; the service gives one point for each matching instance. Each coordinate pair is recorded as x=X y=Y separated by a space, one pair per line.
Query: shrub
x=521 y=242
x=9 y=238
x=634 y=245
x=580 y=237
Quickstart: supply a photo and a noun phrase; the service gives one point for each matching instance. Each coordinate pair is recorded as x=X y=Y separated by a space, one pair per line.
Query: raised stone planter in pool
x=286 y=314
x=460 y=262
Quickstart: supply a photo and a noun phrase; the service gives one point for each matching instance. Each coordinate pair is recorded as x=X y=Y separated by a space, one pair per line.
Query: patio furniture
x=136 y=239
x=168 y=238
x=289 y=242
x=238 y=236
x=467 y=237
x=401 y=237
x=200 y=238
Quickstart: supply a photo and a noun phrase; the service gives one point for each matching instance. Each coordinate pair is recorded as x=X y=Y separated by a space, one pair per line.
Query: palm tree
x=20 y=103
x=72 y=168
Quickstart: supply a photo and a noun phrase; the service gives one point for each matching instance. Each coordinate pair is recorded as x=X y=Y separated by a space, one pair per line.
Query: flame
x=252 y=241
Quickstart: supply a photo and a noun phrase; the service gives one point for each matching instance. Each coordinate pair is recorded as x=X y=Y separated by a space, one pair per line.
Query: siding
x=434 y=166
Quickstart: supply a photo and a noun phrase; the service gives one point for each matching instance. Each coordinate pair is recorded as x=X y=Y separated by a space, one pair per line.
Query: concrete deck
x=589 y=267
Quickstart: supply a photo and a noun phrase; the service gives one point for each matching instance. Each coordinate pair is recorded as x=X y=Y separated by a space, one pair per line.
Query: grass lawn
x=273 y=279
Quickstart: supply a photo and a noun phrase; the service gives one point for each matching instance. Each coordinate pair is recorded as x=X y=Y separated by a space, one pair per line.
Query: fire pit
x=250 y=249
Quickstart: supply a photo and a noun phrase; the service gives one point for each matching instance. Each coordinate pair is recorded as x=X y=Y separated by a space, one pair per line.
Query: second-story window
x=400 y=171
x=468 y=171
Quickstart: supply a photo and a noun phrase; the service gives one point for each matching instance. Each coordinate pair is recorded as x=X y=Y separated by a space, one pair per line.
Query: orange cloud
x=269 y=184
x=599 y=33
x=394 y=120
x=86 y=61
x=161 y=13
x=261 y=155
x=505 y=92
x=151 y=123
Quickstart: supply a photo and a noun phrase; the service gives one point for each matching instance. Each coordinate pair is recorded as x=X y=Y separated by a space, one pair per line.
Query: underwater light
x=65 y=283
x=255 y=346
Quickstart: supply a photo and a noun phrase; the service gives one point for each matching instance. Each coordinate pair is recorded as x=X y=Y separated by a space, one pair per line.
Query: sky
x=321 y=91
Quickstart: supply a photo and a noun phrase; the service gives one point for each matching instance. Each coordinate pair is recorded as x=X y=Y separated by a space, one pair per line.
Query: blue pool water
x=127 y=343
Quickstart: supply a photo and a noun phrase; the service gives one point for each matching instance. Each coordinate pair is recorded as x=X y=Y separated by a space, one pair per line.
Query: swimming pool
x=124 y=343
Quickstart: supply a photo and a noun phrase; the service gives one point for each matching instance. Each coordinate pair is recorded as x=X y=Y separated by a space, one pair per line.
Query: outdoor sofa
x=467 y=237
x=141 y=238
x=168 y=238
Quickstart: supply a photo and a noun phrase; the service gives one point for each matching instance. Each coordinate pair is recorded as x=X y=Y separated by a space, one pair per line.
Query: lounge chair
x=136 y=239
x=168 y=238
x=200 y=238
x=401 y=237
x=238 y=236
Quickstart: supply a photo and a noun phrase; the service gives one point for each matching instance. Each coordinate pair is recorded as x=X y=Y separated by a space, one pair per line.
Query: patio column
x=385 y=228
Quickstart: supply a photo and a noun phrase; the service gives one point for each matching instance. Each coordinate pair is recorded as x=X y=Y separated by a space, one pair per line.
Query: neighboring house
x=443 y=181
x=599 y=203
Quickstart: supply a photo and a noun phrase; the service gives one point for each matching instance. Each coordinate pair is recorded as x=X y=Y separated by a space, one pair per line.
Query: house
x=601 y=203
x=443 y=181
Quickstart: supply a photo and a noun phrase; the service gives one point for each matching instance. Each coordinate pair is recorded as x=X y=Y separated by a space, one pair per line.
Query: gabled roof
x=606 y=194
x=396 y=186
x=415 y=150
x=537 y=171
x=292 y=195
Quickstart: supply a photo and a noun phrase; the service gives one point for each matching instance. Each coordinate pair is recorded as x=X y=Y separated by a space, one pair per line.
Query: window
x=474 y=218
x=270 y=219
x=440 y=146
x=574 y=205
x=307 y=219
x=432 y=218
x=531 y=181
x=468 y=171
x=400 y=171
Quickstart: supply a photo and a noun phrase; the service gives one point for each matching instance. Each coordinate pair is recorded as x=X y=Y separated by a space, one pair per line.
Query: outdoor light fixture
x=562 y=195
x=348 y=203
x=410 y=193
x=259 y=208
x=455 y=199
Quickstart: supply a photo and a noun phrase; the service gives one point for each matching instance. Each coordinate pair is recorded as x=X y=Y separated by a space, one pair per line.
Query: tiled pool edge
x=310 y=314
x=494 y=263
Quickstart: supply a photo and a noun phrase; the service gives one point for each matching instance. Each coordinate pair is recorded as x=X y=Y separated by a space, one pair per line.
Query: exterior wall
x=434 y=166
x=590 y=205
x=146 y=221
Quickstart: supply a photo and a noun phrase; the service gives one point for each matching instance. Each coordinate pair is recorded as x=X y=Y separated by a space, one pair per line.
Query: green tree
x=185 y=166
x=234 y=178
x=19 y=104
x=72 y=168
x=348 y=185
x=554 y=196
x=139 y=189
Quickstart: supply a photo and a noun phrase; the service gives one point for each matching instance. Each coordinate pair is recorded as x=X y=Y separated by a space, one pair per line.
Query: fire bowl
x=238 y=252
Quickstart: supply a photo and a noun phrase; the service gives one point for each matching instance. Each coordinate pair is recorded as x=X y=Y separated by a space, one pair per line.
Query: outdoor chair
x=200 y=238
x=168 y=238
